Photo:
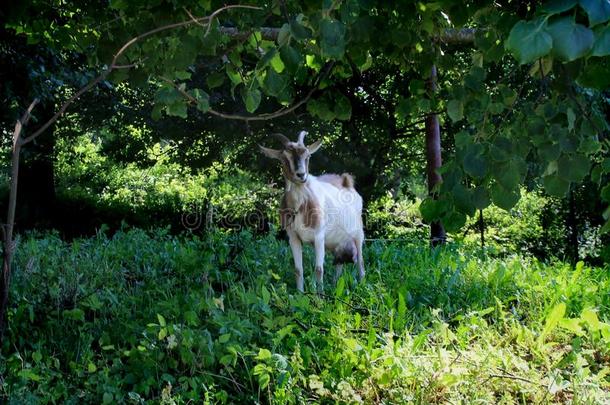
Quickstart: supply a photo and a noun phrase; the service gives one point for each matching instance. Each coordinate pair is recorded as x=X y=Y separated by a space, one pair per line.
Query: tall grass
x=146 y=316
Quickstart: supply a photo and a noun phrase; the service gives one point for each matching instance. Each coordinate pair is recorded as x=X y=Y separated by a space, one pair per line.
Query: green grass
x=151 y=317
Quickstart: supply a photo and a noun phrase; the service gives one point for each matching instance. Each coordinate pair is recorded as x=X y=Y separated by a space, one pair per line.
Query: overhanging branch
x=450 y=36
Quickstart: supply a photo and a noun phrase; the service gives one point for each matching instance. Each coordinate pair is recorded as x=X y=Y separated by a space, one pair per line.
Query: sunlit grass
x=143 y=316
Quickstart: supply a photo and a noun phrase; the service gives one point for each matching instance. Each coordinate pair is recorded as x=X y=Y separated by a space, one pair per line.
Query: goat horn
x=302 y=137
x=281 y=138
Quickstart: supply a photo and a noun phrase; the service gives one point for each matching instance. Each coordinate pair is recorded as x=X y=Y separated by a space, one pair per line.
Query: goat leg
x=319 y=248
x=297 y=255
x=359 y=243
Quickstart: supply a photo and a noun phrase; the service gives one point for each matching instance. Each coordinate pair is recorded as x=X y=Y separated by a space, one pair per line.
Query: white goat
x=325 y=211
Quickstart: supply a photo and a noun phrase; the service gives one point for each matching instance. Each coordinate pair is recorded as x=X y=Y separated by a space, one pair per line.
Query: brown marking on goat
x=310 y=209
x=285 y=167
x=344 y=180
x=286 y=213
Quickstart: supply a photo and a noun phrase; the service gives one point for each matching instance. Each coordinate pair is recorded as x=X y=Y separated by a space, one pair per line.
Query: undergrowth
x=146 y=316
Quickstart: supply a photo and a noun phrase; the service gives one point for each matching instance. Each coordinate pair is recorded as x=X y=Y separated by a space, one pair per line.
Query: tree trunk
x=482 y=228
x=8 y=245
x=434 y=161
x=572 y=225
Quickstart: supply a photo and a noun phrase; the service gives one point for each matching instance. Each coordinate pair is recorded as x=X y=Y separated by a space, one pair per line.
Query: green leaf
x=161 y=320
x=570 y=40
x=430 y=209
x=91 y=368
x=291 y=58
x=504 y=198
x=191 y=318
x=453 y=221
x=107 y=398
x=508 y=176
x=403 y=108
x=597 y=10
x=462 y=198
x=558 y=6
x=572 y=325
x=401 y=37
x=266 y=295
x=29 y=375
x=298 y=31
x=36 y=356
x=332 y=41
x=224 y=338
x=343 y=108
x=475 y=164
x=155 y=114
x=266 y=59
x=263 y=380
x=252 y=99
x=274 y=83
x=321 y=108
x=203 y=99
x=552 y=320
x=571 y=118
x=168 y=95
x=549 y=151
x=555 y=185
x=215 y=80
x=340 y=287
x=177 y=109
x=277 y=63
x=162 y=333
x=480 y=198
x=529 y=40
x=589 y=316
x=226 y=359
x=602 y=43
x=455 y=109
x=284 y=35
x=233 y=74
x=263 y=354
x=573 y=168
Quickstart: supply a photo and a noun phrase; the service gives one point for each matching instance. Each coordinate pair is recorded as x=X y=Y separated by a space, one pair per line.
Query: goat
x=325 y=210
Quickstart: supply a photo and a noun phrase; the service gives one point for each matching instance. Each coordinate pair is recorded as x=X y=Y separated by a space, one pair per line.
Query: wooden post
x=434 y=161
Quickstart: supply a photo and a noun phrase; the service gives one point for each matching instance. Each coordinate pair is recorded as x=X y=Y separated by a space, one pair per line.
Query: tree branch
x=113 y=64
x=261 y=117
x=450 y=36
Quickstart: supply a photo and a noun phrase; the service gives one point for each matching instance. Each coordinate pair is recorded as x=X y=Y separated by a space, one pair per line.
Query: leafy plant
x=146 y=316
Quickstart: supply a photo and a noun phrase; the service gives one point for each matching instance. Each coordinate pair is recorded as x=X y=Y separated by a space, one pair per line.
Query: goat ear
x=314 y=146
x=272 y=153
x=282 y=138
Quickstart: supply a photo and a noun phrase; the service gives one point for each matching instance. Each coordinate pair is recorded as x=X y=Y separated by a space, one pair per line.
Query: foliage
x=534 y=226
x=525 y=103
x=388 y=217
x=147 y=316
x=517 y=124
x=162 y=190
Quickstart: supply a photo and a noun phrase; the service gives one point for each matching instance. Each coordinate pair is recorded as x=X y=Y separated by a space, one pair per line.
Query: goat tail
x=347 y=180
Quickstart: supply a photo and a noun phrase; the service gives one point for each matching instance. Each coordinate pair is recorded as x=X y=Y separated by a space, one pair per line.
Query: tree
x=297 y=55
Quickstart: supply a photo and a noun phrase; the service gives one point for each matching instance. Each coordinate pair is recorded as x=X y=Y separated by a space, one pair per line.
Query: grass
x=146 y=316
